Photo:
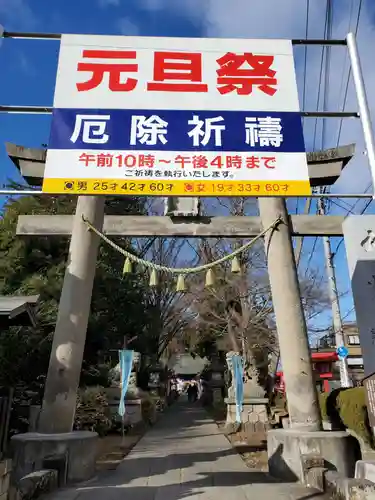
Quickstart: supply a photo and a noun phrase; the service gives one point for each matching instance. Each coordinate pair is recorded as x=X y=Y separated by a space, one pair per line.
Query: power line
x=349 y=313
x=320 y=77
x=327 y=67
x=349 y=74
x=311 y=256
x=305 y=56
x=324 y=49
x=308 y=202
x=341 y=206
x=346 y=58
x=327 y=29
x=304 y=73
x=322 y=210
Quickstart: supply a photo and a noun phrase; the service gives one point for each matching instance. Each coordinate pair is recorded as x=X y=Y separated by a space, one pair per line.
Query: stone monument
x=157 y=380
x=254 y=416
x=216 y=380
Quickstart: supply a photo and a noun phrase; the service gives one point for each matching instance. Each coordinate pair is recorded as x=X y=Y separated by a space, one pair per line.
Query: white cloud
x=109 y=3
x=17 y=14
x=127 y=27
x=195 y=10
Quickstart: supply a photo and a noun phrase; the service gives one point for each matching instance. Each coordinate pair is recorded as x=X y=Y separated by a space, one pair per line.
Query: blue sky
x=28 y=67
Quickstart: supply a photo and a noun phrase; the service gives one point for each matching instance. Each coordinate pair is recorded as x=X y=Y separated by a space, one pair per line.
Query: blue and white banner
x=126 y=363
x=238 y=372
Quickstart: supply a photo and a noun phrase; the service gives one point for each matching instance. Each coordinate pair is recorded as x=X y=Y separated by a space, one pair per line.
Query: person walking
x=192 y=392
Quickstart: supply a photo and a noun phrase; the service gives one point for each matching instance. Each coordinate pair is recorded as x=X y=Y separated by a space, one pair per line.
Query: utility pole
x=335 y=303
x=333 y=294
x=303 y=405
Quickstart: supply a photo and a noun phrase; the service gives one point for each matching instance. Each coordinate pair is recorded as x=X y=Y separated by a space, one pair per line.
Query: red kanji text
x=232 y=77
x=200 y=161
x=182 y=161
x=115 y=70
x=87 y=159
x=234 y=161
x=146 y=161
x=177 y=72
x=104 y=160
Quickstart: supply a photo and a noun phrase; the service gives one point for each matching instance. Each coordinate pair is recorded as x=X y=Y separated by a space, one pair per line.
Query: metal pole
x=364 y=111
x=295 y=353
x=57 y=36
x=345 y=380
x=36 y=110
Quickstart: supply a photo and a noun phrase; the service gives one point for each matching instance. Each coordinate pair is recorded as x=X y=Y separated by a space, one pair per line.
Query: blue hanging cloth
x=238 y=369
x=126 y=363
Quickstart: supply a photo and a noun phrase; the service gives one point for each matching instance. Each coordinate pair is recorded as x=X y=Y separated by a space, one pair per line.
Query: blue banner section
x=238 y=369
x=126 y=363
x=174 y=130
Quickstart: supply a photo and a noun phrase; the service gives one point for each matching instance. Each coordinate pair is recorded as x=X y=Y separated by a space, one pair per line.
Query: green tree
x=120 y=305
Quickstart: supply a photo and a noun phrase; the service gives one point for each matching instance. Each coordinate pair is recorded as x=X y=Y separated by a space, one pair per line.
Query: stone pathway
x=185 y=457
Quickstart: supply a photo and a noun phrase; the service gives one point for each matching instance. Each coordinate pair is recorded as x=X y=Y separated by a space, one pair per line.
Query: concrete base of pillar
x=254 y=416
x=289 y=450
x=365 y=469
x=72 y=454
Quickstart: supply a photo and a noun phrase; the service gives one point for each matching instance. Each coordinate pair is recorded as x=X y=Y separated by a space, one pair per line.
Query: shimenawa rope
x=183 y=270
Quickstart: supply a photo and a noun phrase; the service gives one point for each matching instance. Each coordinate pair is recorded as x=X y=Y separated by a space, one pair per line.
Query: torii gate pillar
x=303 y=405
x=60 y=396
x=287 y=447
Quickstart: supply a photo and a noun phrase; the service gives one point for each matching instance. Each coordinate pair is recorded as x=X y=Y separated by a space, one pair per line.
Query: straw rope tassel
x=210 y=279
x=127 y=266
x=153 y=278
x=236 y=266
x=180 y=287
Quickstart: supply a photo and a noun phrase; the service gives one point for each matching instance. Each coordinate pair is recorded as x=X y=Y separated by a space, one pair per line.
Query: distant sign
x=176 y=117
x=342 y=352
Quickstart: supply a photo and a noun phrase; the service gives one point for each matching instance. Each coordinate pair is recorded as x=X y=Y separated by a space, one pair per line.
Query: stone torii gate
x=69 y=339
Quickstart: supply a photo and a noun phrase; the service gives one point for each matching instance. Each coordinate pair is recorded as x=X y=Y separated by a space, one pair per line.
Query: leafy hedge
x=92 y=411
x=151 y=405
x=346 y=408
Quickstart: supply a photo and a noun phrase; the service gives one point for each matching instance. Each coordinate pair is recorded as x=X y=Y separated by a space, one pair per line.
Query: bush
x=353 y=411
x=347 y=408
x=150 y=406
x=323 y=405
x=95 y=376
x=92 y=412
